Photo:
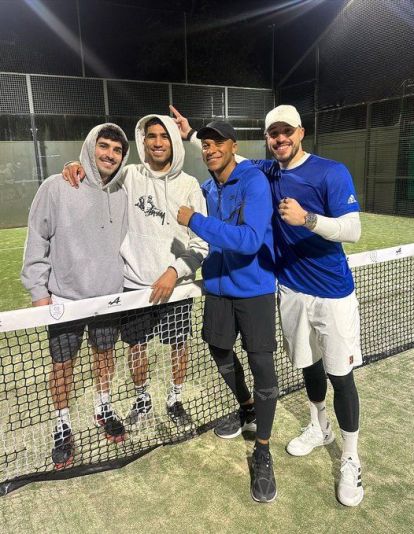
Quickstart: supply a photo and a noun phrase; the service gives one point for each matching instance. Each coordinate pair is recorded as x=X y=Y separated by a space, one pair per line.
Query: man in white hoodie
x=158 y=254
x=51 y=274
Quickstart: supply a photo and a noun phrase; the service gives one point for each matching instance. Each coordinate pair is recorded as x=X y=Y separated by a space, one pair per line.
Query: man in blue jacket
x=239 y=282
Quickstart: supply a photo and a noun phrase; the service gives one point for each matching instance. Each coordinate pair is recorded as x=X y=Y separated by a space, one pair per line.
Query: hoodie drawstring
x=109 y=204
x=166 y=199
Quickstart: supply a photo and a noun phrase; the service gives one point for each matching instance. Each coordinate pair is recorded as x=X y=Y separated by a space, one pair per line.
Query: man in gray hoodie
x=51 y=274
x=158 y=254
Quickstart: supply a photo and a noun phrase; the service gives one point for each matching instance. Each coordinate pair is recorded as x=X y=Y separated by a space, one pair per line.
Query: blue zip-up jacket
x=240 y=263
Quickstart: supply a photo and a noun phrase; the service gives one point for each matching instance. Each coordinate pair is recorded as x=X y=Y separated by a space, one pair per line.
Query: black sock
x=248 y=408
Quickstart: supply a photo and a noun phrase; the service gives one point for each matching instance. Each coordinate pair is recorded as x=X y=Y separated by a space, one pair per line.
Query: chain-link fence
x=44 y=120
x=355 y=91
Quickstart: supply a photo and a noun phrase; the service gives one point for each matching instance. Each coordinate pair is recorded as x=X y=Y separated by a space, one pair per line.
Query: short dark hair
x=112 y=133
x=153 y=122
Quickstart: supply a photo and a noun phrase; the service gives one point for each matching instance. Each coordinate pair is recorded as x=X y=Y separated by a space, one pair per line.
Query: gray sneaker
x=263 y=488
x=178 y=415
x=236 y=423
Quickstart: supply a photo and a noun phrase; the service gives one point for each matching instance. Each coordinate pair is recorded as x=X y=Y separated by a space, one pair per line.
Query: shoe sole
x=305 y=453
x=264 y=501
x=116 y=439
x=59 y=467
x=247 y=427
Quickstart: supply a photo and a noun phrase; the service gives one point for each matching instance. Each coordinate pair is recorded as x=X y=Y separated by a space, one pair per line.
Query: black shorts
x=254 y=318
x=170 y=321
x=65 y=339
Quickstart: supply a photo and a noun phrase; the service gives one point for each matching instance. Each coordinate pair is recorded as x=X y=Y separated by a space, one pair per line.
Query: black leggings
x=346 y=400
x=265 y=384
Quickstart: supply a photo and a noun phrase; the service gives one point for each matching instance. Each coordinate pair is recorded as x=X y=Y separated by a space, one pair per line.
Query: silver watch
x=310 y=220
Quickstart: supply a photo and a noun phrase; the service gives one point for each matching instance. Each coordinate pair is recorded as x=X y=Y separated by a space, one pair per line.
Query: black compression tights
x=265 y=384
x=346 y=401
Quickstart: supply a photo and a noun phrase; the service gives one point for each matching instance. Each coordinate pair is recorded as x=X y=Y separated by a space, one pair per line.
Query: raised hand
x=181 y=122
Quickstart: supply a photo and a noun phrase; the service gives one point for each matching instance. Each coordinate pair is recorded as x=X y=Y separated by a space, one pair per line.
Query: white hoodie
x=154 y=239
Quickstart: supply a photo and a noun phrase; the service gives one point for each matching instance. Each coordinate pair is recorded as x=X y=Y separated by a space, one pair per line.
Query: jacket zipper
x=220 y=190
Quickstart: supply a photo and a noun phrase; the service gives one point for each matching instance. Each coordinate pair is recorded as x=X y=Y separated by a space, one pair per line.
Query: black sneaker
x=111 y=423
x=178 y=415
x=63 y=449
x=236 y=423
x=141 y=409
x=263 y=487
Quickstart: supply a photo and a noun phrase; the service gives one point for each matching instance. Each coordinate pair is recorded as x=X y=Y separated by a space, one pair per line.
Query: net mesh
x=385 y=289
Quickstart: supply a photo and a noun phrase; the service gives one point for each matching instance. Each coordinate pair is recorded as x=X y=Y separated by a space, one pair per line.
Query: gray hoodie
x=74 y=236
x=155 y=240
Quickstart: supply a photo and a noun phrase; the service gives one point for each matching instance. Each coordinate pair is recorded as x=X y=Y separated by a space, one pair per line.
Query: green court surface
x=202 y=486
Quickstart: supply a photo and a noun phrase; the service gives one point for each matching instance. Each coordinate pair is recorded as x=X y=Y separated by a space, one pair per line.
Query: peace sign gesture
x=181 y=122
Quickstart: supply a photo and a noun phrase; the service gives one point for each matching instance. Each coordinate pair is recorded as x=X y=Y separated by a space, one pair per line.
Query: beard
x=288 y=157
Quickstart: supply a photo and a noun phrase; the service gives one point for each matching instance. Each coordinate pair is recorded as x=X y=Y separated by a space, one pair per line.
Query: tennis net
x=173 y=347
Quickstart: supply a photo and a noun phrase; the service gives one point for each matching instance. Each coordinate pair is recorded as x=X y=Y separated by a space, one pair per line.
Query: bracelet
x=190 y=133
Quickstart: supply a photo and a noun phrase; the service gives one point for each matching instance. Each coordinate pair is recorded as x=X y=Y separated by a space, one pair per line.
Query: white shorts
x=315 y=328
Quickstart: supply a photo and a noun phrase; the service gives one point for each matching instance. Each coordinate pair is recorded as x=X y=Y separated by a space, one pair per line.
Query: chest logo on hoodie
x=149 y=208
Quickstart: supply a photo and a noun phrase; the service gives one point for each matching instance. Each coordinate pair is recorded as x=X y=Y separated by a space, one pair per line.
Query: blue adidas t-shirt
x=307 y=262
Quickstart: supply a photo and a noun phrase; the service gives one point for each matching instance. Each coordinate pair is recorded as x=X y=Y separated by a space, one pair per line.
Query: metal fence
x=355 y=91
x=44 y=120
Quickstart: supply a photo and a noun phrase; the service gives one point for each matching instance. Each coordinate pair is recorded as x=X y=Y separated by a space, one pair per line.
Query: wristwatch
x=310 y=220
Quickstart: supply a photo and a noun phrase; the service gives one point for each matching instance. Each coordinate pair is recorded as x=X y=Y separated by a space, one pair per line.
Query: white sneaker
x=350 y=490
x=311 y=437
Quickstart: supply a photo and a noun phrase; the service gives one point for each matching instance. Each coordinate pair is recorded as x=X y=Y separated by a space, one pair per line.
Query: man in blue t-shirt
x=315 y=211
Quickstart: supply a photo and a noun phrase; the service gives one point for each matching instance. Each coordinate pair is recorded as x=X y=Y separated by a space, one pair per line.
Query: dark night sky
x=228 y=43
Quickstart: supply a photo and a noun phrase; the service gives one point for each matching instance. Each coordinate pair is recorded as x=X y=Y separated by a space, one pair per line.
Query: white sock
x=102 y=398
x=318 y=414
x=350 y=445
x=174 y=395
x=63 y=417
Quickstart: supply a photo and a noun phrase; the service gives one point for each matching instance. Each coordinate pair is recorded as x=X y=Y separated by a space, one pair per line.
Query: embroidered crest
x=56 y=310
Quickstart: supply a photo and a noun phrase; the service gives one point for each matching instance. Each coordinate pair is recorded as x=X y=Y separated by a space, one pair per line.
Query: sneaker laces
x=350 y=471
x=61 y=434
x=142 y=403
x=263 y=462
x=307 y=431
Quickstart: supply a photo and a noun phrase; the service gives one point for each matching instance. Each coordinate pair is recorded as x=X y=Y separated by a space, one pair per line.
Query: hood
x=178 y=152
x=87 y=158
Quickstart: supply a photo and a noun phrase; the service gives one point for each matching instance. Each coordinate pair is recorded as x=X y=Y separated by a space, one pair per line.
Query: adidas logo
x=351 y=199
